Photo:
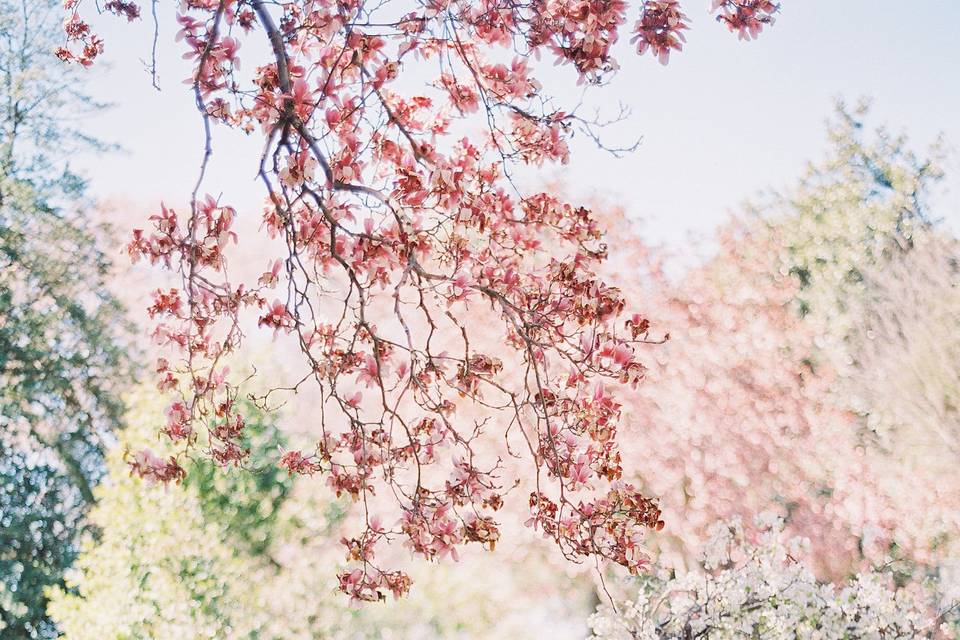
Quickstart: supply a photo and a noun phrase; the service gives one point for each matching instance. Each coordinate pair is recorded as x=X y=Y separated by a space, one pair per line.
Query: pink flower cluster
x=660 y=29
x=146 y=465
x=746 y=18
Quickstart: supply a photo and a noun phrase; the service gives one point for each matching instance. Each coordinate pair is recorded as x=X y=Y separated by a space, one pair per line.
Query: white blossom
x=758 y=589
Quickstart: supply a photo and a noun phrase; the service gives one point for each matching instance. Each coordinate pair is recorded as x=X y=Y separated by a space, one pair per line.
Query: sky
x=724 y=121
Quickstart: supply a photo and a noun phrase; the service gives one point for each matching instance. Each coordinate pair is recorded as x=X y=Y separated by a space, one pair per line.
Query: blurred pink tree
x=811 y=366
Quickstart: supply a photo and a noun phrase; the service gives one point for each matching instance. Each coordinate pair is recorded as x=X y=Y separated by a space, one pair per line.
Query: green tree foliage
x=846 y=232
x=39 y=513
x=176 y=561
x=246 y=501
x=857 y=208
x=61 y=356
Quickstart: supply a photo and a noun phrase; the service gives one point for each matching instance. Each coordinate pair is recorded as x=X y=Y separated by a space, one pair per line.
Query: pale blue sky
x=724 y=120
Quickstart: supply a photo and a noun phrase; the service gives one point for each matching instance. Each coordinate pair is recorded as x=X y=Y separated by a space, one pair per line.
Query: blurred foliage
x=859 y=207
x=755 y=587
x=177 y=562
x=245 y=501
x=905 y=338
x=182 y=561
x=880 y=285
x=812 y=367
x=62 y=359
x=39 y=515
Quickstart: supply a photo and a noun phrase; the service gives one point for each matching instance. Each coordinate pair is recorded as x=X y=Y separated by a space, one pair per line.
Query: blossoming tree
x=810 y=367
x=744 y=588
x=733 y=420
x=878 y=282
x=390 y=135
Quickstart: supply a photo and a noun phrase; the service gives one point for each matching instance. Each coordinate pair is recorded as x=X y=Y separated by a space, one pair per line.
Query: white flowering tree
x=758 y=589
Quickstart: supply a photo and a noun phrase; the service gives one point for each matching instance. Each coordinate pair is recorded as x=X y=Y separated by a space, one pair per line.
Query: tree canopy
x=62 y=351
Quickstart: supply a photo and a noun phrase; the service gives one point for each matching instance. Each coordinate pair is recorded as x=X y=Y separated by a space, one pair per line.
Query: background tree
x=172 y=563
x=857 y=209
x=732 y=420
x=61 y=356
x=877 y=283
x=40 y=515
x=903 y=380
x=806 y=367
x=161 y=567
x=757 y=588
